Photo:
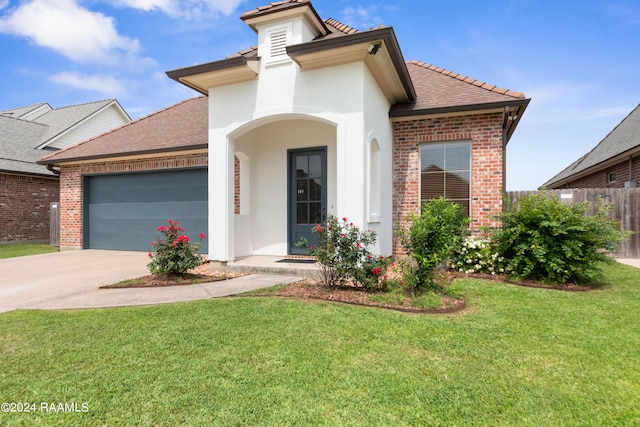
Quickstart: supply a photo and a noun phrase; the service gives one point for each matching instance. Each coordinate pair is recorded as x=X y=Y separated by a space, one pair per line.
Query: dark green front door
x=307 y=195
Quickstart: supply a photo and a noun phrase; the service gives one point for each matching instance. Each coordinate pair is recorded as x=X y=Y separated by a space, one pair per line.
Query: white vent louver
x=278 y=44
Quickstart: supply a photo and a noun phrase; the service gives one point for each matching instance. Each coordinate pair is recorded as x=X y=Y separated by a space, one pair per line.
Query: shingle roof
x=273 y=7
x=179 y=127
x=15 y=154
x=20 y=139
x=440 y=88
x=21 y=111
x=624 y=137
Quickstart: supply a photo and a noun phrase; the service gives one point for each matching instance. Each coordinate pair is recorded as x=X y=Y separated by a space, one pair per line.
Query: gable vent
x=278 y=46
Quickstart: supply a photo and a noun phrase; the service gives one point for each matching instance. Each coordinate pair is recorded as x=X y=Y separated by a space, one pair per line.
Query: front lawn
x=515 y=356
x=11 y=250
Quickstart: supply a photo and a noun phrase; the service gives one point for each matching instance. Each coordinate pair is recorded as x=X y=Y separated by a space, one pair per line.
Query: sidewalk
x=107 y=298
x=632 y=262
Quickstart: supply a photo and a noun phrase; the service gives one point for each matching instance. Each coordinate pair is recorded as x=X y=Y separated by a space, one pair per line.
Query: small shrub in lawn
x=547 y=240
x=477 y=255
x=342 y=253
x=432 y=238
x=174 y=253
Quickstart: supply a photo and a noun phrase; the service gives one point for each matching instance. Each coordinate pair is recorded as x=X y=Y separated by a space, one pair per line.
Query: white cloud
x=187 y=9
x=107 y=85
x=3 y=4
x=75 y=32
x=361 y=17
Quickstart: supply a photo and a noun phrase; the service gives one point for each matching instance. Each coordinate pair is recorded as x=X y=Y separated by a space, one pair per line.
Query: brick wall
x=24 y=207
x=600 y=179
x=485 y=133
x=71 y=187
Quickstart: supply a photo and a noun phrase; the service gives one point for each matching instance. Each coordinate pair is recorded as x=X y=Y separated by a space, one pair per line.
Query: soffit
x=203 y=77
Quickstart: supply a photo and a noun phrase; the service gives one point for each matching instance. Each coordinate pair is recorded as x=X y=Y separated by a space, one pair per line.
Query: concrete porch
x=262 y=264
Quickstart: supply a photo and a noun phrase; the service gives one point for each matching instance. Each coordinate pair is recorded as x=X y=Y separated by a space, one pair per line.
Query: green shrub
x=432 y=238
x=342 y=253
x=547 y=240
x=174 y=253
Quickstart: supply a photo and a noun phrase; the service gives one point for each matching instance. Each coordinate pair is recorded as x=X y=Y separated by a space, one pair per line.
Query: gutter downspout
x=507 y=117
x=50 y=167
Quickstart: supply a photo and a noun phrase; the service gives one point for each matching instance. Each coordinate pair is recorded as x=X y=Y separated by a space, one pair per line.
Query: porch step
x=286 y=266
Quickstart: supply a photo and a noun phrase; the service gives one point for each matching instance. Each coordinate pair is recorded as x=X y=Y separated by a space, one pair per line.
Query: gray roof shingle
x=21 y=141
x=624 y=137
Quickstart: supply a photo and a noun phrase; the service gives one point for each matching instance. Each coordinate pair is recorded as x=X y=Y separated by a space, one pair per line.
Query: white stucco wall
x=339 y=107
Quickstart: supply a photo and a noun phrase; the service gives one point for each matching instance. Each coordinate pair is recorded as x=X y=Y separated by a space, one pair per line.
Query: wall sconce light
x=373 y=48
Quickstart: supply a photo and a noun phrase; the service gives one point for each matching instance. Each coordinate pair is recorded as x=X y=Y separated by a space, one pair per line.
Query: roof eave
x=253 y=19
x=183 y=75
x=140 y=153
x=517 y=106
x=598 y=167
x=385 y=35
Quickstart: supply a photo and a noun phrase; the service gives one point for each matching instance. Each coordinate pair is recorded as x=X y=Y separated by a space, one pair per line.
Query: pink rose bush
x=343 y=255
x=174 y=253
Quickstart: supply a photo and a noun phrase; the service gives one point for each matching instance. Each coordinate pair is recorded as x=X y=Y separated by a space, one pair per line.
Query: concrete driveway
x=71 y=280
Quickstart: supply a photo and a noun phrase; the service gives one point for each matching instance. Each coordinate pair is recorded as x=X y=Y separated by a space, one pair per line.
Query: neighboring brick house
x=318 y=119
x=613 y=163
x=27 y=134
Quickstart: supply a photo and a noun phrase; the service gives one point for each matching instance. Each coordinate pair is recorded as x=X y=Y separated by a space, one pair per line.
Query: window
x=611 y=177
x=445 y=170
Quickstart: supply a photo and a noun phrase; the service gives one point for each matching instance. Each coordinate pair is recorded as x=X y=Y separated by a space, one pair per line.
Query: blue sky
x=579 y=61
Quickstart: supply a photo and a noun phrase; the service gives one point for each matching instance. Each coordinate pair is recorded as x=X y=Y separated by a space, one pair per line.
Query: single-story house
x=613 y=163
x=317 y=119
x=27 y=134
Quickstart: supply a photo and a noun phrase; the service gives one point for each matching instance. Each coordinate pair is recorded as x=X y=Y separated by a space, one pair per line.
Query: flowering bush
x=174 y=253
x=477 y=256
x=343 y=255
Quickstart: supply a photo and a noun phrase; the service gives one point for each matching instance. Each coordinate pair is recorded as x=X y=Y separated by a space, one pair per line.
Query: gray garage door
x=124 y=211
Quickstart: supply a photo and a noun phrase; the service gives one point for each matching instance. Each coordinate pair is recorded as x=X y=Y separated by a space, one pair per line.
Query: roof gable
x=62 y=120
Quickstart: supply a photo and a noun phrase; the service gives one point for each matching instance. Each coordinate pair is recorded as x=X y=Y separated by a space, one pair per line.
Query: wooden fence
x=625 y=207
x=54 y=224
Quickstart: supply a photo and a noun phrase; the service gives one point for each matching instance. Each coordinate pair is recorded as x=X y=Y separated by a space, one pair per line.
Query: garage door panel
x=124 y=211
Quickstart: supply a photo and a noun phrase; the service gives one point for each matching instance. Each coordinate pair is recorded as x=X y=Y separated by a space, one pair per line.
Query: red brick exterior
x=71 y=187
x=600 y=179
x=24 y=207
x=485 y=131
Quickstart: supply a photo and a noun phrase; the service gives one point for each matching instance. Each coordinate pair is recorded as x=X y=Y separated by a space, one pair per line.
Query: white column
x=221 y=224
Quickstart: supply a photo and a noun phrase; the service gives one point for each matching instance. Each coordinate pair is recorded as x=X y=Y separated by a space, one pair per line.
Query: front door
x=307 y=195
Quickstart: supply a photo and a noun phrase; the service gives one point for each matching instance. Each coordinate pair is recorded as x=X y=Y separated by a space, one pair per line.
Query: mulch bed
x=567 y=287
x=355 y=295
x=201 y=274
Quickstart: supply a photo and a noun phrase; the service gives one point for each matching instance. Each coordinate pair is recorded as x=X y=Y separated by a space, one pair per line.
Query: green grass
x=516 y=356
x=12 y=250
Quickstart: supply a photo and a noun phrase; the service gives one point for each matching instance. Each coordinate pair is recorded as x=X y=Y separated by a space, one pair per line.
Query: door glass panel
x=315 y=166
x=302 y=190
x=302 y=216
x=302 y=166
x=315 y=210
x=315 y=190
